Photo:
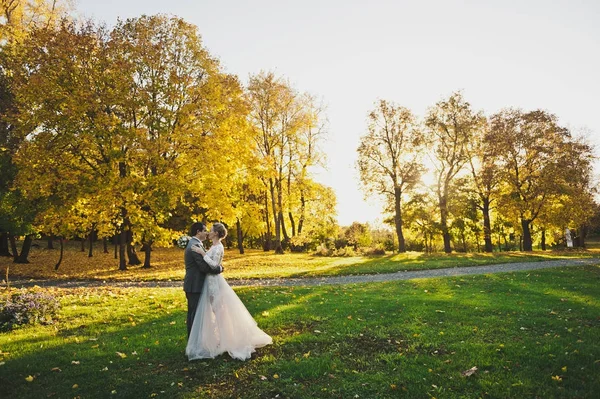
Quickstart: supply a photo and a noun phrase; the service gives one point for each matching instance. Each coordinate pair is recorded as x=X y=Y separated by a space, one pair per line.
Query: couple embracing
x=217 y=320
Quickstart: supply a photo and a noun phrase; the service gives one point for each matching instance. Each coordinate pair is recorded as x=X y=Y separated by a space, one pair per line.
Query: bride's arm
x=214 y=256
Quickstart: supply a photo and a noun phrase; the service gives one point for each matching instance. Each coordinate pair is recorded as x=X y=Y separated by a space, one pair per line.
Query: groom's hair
x=196 y=227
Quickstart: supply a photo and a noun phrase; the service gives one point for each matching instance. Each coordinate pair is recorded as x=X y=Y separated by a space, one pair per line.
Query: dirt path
x=316 y=281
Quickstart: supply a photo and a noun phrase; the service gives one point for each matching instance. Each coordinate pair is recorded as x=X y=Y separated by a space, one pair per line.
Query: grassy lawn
x=529 y=335
x=167 y=263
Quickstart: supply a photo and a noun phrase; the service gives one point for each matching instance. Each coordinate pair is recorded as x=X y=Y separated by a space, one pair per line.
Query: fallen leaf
x=469 y=372
x=74 y=361
x=29 y=378
x=56 y=369
x=263 y=378
x=121 y=355
x=75 y=386
x=556 y=378
x=275 y=376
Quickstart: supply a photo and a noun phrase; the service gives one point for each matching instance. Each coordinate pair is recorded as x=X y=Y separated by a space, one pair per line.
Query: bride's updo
x=220 y=229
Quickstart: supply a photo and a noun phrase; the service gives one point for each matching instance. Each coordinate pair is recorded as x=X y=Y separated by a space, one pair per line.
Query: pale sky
x=529 y=54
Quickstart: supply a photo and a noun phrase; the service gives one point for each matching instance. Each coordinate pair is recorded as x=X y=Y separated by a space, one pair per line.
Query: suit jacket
x=196 y=268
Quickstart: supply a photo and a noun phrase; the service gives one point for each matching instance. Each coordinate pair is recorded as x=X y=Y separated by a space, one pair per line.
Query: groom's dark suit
x=196 y=269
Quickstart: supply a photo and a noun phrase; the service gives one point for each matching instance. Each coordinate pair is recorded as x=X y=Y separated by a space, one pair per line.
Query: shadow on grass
x=410 y=339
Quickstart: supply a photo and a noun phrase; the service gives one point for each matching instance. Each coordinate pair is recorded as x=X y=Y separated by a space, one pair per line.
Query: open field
x=528 y=334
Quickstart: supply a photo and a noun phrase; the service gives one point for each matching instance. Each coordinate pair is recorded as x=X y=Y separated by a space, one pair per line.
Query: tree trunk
x=292 y=223
x=62 y=247
x=91 y=238
x=122 y=248
x=286 y=237
x=487 y=226
x=147 y=252
x=50 y=242
x=583 y=233
x=302 y=212
x=527 y=243
x=543 y=243
x=105 y=244
x=83 y=244
x=278 y=248
x=13 y=245
x=240 y=236
x=22 y=258
x=4 y=244
x=398 y=219
x=267 y=239
x=444 y=223
x=131 y=253
x=116 y=244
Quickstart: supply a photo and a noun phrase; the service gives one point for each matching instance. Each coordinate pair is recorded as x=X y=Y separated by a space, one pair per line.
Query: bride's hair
x=220 y=229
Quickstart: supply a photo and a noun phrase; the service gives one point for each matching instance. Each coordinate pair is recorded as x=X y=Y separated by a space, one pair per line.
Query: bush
x=322 y=250
x=376 y=250
x=25 y=307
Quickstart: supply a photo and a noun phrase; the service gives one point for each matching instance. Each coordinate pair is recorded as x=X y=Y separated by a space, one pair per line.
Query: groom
x=195 y=271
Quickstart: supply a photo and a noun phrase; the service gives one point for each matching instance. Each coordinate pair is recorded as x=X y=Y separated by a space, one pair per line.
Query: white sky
x=528 y=53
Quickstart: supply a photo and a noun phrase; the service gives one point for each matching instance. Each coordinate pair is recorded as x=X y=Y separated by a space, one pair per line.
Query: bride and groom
x=217 y=320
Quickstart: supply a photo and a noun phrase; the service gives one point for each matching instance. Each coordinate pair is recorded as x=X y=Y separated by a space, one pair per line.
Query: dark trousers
x=192 y=300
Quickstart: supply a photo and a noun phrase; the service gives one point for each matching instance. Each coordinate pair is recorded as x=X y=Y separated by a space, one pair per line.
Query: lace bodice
x=214 y=256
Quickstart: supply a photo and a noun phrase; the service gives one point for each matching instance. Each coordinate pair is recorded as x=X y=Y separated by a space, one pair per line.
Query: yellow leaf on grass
x=275 y=376
x=29 y=378
x=75 y=386
x=556 y=378
x=122 y=355
x=564 y=368
x=306 y=355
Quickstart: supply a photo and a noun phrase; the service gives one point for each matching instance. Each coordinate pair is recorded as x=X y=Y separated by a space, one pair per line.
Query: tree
x=483 y=163
x=538 y=158
x=389 y=158
x=17 y=19
x=279 y=116
x=451 y=124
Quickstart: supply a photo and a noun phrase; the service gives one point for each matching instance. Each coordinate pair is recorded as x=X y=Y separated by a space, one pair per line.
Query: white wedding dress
x=222 y=323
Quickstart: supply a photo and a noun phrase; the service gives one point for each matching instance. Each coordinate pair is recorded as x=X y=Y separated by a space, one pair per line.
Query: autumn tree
x=17 y=19
x=485 y=173
x=539 y=162
x=390 y=158
x=286 y=129
x=451 y=124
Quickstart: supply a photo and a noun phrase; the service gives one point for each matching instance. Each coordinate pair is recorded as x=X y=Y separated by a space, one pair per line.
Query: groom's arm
x=203 y=266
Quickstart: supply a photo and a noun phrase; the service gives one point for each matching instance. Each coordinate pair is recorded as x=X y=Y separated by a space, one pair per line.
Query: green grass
x=530 y=335
x=167 y=264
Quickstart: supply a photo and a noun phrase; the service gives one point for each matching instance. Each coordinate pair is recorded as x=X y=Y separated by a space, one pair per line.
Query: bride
x=222 y=322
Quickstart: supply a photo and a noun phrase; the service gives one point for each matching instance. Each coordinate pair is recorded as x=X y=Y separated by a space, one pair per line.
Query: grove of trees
x=513 y=176
x=129 y=134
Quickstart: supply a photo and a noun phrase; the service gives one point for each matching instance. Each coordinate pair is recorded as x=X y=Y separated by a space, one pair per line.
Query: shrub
x=344 y=252
x=322 y=250
x=376 y=250
x=25 y=307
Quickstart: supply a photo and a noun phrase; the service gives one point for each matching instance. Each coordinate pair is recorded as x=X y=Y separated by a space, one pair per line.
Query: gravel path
x=316 y=281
